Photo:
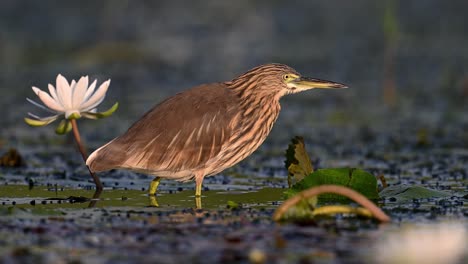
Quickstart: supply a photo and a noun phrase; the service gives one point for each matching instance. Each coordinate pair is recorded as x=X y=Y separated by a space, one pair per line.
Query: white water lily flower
x=429 y=244
x=71 y=100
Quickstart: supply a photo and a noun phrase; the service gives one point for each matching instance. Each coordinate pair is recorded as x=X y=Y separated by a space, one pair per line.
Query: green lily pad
x=356 y=179
x=405 y=193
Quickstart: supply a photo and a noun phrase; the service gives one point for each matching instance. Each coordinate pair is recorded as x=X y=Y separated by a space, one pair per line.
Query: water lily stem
x=76 y=133
x=341 y=190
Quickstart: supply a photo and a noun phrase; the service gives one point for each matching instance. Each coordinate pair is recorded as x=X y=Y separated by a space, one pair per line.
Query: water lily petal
x=93 y=106
x=90 y=91
x=42 y=118
x=36 y=90
x=79 y=92
x=53 y=93
x=34 y=116
x=96 y=98
x=97 y=115
x=40 y=106
x=47 y=100
x=64 y=92
x=41 y=121
x=72 y=88
x=64 y=127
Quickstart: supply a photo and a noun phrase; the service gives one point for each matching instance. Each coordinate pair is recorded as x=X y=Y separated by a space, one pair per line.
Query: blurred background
x=405 y=63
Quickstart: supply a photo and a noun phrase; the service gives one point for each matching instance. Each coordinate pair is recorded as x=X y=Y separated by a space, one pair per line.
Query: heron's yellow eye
x=289 y=77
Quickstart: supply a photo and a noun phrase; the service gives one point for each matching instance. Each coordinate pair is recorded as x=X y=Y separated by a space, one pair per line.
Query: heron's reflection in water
x=153 y=201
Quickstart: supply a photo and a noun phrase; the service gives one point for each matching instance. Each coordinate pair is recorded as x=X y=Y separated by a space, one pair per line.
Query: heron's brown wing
x=181 y=133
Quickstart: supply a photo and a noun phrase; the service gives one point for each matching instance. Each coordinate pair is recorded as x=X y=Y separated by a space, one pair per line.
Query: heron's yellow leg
x=198 y=187
x=154 y=186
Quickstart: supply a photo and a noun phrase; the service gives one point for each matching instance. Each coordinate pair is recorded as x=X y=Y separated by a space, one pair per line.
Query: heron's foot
x=154 y=186
x=153 y=201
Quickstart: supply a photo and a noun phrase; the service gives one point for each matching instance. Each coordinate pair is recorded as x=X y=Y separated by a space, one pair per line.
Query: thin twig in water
x=382 y=179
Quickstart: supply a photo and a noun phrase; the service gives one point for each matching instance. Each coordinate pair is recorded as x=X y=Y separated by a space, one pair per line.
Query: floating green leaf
x=300 y=171
x=356 y=179
x=405 y=193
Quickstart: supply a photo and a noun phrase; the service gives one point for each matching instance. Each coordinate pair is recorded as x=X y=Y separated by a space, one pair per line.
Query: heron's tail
x=103 y=158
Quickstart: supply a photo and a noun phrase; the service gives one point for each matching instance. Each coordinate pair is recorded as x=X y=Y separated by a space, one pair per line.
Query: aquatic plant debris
x=12 y=158
x=300 y=170
x=305 y=207
x=376 y=212
x=297 y=161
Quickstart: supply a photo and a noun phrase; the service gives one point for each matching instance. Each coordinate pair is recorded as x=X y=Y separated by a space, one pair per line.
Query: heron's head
x=278 y=80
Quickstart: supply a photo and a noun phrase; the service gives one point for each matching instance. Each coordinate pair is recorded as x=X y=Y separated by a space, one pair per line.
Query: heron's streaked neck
x=252 y=91
x=263 y=105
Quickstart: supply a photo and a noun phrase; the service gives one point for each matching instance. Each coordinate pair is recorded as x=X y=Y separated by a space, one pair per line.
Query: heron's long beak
x=305 y=83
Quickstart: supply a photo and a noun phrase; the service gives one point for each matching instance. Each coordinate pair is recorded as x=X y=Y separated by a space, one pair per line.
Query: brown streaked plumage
x=206 y=129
